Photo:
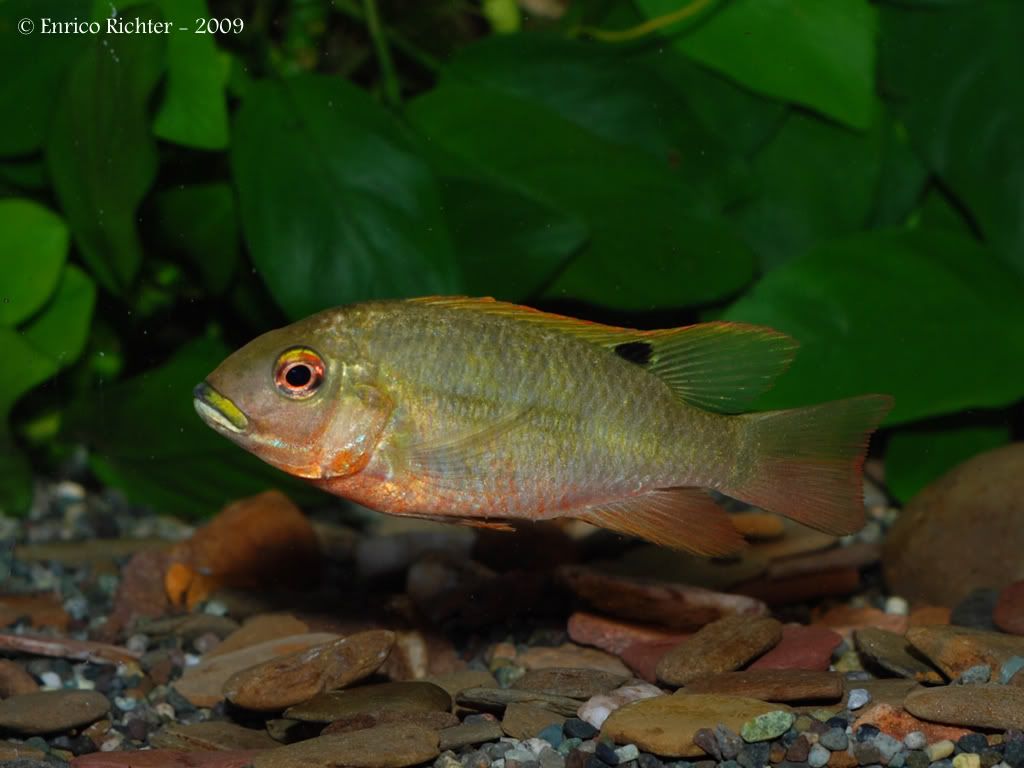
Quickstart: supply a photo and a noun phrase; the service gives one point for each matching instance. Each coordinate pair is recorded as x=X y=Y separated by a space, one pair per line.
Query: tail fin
x=808 y=462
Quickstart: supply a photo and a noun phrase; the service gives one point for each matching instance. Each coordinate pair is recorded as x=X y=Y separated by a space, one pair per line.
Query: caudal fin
x=808 y=462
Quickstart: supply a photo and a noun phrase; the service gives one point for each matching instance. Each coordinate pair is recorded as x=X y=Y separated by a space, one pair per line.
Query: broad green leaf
x=927 y=316
x=813 y=181
x=34 y=66
x=200 y=222
x=607 y=93
x=954 y=75
x=334 y=203
x=918 y=454
x=101 y=153
x=814 y=53
x=654 y=243
x=33 y=246
x=15 y=476
x=145 y=439
x=194 y=110
x=508 y=245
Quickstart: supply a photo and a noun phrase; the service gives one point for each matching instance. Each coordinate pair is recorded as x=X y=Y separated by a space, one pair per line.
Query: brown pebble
x=434 y=721
x=467 y=734
x=797 y=752
x=165 y=758
x=15 y=680
x=722 y=646
x=975 y=706
x=524 y=721
x=405 y=696
x=891 y=652
x=787 y=685
x=801 y=647
x=897 y=722
x=954 y=650
x=211 y=735
x=615 y=636
x=51 y=711
x=574 y=683
x=387 y=746
x=803 y=587
x=281 y=683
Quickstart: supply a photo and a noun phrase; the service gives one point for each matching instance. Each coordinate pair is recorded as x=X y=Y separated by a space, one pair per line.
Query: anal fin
x=681 y=518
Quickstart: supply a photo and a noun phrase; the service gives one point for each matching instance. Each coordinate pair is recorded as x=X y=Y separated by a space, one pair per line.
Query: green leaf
x=927 y=316
x=15 y=477
x=101 y=153
x=334 y=203
x=654 y=243
x=194 y=110
x=813 y=181
x=34 y=66
x=921 y=453
x=508 y=245
x=33 y=246
x=602 y=90
x=200 y=221
x=963 y=104
x=146 y=440
x=818 y=54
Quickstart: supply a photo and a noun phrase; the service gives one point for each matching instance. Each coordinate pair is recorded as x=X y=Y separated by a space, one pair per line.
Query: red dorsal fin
x=681 y=518
x=722 y=367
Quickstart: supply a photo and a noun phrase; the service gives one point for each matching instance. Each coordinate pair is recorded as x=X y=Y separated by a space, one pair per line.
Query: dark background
x=849 y=172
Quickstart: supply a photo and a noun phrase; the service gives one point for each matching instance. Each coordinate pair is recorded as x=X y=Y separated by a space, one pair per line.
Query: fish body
x=481 y=412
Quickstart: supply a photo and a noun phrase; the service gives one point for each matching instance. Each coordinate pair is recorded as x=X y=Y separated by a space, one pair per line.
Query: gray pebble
x=818 y=756
x=858 y=698
x=915 y=740
x=834 y=739
x=980 y=673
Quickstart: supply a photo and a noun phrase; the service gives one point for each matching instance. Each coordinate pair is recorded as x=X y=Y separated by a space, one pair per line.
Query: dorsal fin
x=722 y=367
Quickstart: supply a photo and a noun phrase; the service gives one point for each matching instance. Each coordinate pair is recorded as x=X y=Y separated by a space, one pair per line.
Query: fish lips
x=218 y=411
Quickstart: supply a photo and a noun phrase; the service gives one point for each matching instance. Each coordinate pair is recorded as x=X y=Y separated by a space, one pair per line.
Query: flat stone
x=801 y=647
x=496 y=699
x=929 y=615
x=11 y=752
x=840 y=558
x=884 y=690
x=203 y=684
x=788 y=685
x=955 y=650
x=261 y=628
x=896 y=721
x=456 y=682
x=51 y=711
x=802 y=587
x=14 y=680
x=972 y=516
x=405 y=696
x=616 y=636
x=666 y=725
x=1009 y=611
x=674 y=605
x=43 y=609
x=188 y=627
x=434 y=721
x=467 y=734
x=847 y=619
x=211 y=735
x=165 y=758
x=387 y=746
x=975 y=706
x=892 y=652
x=525 y=721
x=570 y=682
x=283 y=682
x=660 y=564
x=596 y=709
x=570 y=655
x=643 y=658
x=722 y=646
x=767 y=726
x=69 y=648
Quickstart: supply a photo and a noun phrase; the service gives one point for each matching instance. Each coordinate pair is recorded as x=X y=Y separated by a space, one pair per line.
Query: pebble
x=523 y=721
x=15 y=680
x=915 y=740
x=666 y=725
x=967 y=760
x=576 y=728
x=940 y=750
x=972 y=742
x=722 y=646
x=979 y=673
x=857 y=698
x=408 y=696
x=165 y=758
x=1010 y=668
x=729 y=742
x=954 y=650
x=767 y=726
x=977 y=706
x=785 y=685
x=615 y=636
x=597 y=708
x=801 y=647
x=818 y=756
x=575 y=683
x=891 y=652
x=431 y=720
x=834 y=739
x=51 y=711
x=496 y=699
x=282 y=682
x=887 y=746
x=387 y=746
x=470 y=734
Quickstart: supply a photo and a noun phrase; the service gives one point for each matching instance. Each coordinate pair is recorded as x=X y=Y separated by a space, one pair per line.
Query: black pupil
x=299 y=375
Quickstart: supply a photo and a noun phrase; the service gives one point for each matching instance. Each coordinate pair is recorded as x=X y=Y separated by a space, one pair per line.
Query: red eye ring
x=298 y=372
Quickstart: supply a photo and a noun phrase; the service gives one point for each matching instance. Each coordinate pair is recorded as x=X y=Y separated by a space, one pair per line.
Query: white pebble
x=915 y=740
x=897 y=606
x=858 y=698
x=215 y=608
x=191 y=659
x=165 y=710
x=112 y=743
x=536 y=746
x=627 y=753
x=818 y=756
x=126 y=704
x=137 y=643
x=51 y=681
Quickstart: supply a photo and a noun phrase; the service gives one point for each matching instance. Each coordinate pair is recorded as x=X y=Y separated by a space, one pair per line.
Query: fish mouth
x=217 y=410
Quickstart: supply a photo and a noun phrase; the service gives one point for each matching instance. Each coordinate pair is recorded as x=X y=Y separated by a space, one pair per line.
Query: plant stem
x=426 y=60
x=392 y=88
x=651 y=25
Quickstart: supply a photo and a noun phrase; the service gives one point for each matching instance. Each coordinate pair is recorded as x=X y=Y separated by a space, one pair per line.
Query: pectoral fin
x=681 y=518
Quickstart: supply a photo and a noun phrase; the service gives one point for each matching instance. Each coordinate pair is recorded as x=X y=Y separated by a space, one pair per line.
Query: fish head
x=299 y=398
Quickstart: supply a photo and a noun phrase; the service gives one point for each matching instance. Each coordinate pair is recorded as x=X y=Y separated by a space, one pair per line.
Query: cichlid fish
x=482 y=412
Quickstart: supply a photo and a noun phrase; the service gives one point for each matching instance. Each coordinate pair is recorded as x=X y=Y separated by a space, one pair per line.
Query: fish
x=491 y=414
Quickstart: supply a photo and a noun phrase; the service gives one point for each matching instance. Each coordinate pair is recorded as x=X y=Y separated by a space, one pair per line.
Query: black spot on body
x=636 y=352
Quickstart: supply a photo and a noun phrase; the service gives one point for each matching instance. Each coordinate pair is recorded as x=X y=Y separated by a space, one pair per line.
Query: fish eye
x=298 y=372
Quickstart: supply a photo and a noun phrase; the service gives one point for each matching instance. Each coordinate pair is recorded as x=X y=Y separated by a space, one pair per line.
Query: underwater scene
x=512 y=384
